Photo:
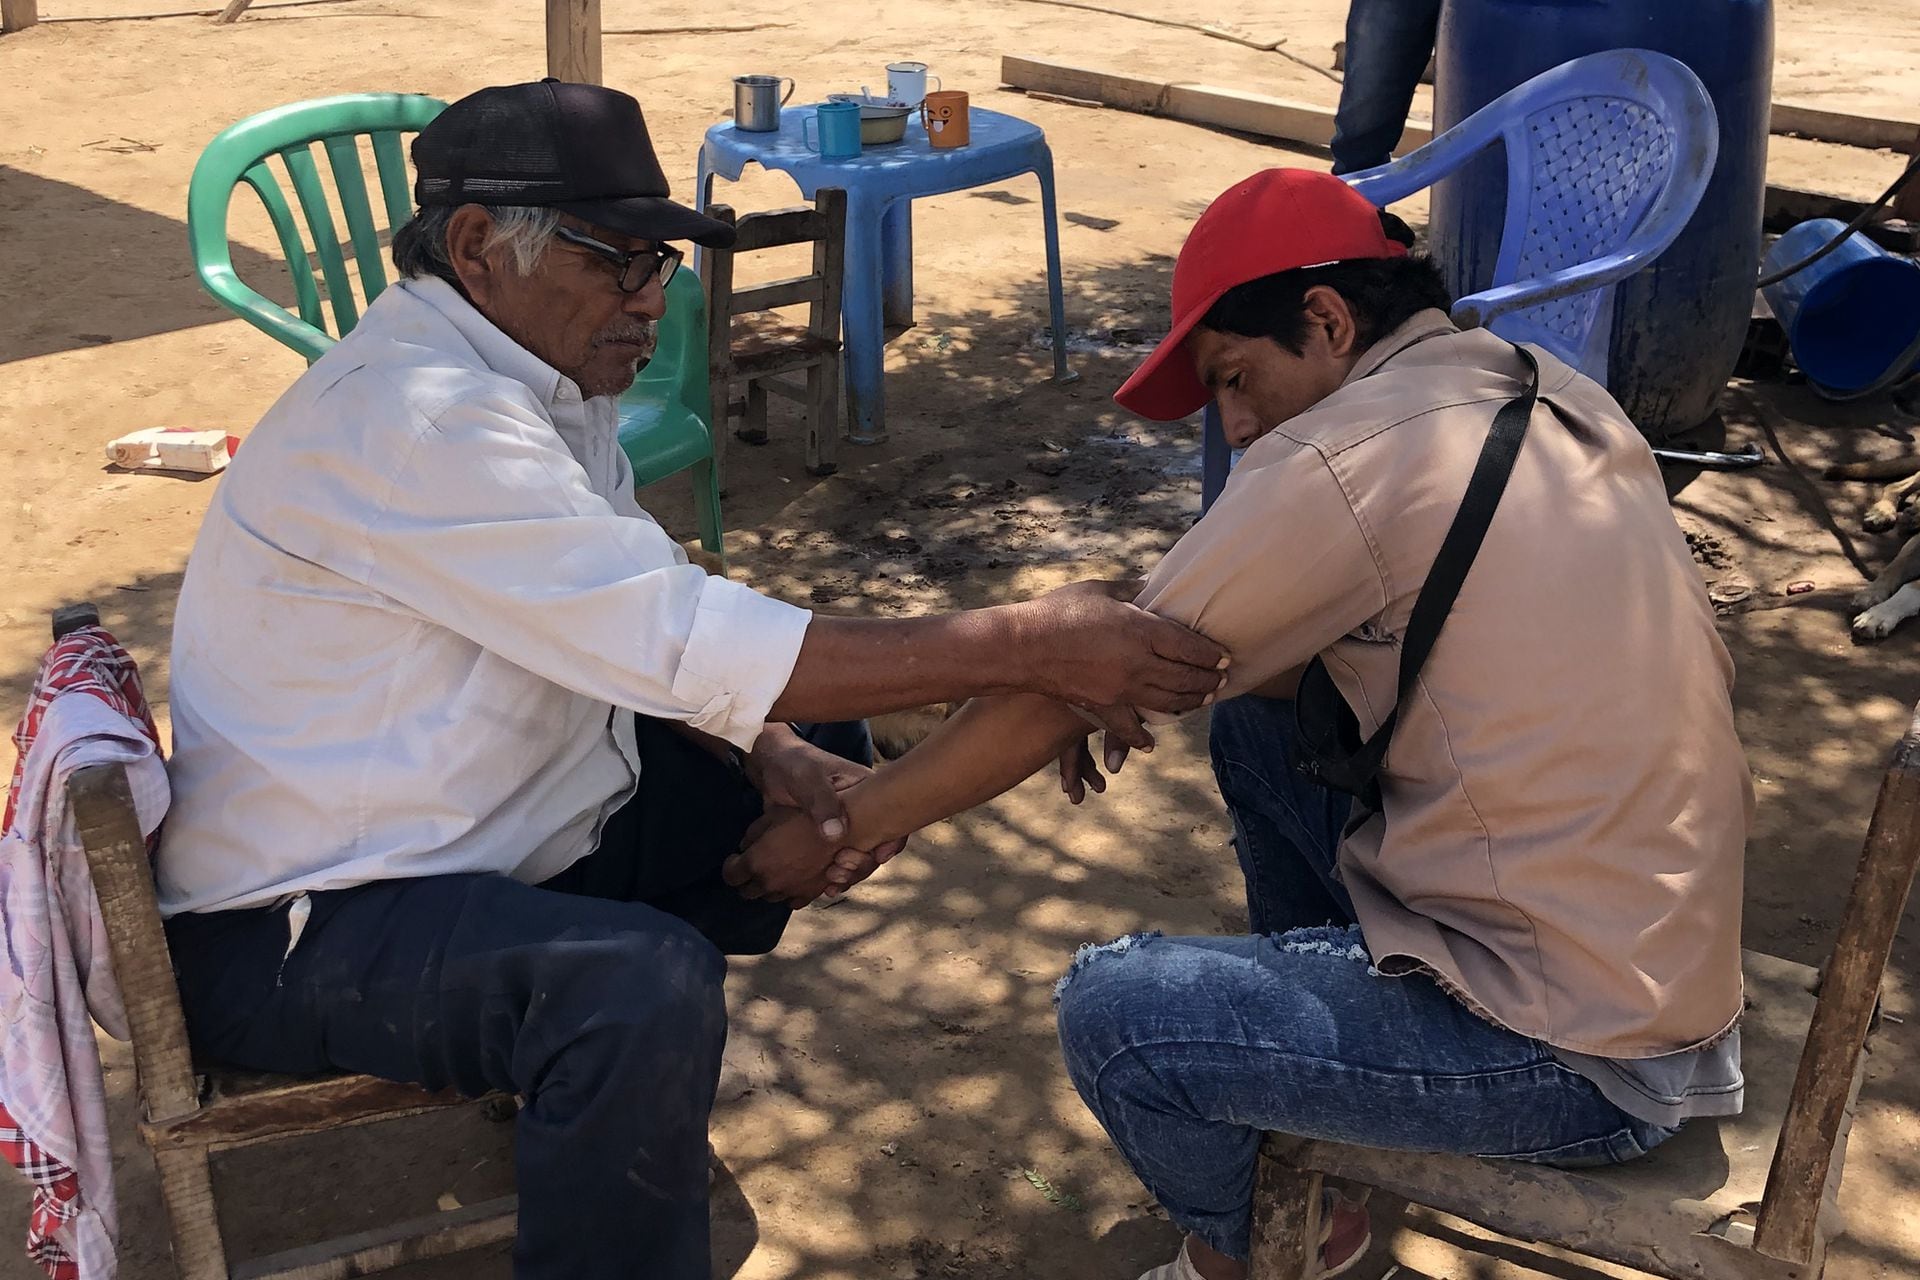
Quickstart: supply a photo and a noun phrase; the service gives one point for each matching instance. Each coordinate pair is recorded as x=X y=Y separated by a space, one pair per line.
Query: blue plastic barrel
x=1848 y=316
x=1678 y=326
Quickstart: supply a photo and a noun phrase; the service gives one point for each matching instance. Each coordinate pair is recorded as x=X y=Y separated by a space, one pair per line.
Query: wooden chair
x=760 y=353
x=188 y=1115
x=1705 y=1205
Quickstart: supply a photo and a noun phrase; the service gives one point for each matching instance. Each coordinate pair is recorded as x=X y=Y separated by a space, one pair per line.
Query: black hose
x=1860 y=220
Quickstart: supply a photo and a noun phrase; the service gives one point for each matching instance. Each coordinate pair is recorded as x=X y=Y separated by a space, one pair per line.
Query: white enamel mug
x=907 y=82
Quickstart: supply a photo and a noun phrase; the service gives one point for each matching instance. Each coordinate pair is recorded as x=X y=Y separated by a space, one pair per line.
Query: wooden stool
x=759 y=352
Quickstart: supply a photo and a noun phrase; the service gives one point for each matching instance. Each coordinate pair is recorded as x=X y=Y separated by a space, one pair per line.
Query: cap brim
x=653 y=218
x=1165 y=388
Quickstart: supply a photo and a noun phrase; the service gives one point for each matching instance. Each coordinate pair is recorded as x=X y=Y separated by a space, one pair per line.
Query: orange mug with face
x=945 y=115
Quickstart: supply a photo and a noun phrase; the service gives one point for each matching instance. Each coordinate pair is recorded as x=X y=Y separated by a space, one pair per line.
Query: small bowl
x=880 y=120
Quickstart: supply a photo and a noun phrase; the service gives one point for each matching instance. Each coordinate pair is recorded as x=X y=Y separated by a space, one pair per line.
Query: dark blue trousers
x=1388 y=44
x=596 y=996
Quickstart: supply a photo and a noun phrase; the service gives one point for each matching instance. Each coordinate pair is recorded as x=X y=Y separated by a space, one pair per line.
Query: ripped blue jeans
x=1186 y=1049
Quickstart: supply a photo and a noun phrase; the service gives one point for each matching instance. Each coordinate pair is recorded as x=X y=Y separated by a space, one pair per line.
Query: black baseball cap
x=579 y=148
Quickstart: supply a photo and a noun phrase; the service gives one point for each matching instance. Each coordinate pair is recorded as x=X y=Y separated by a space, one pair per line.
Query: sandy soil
x=893 y=1079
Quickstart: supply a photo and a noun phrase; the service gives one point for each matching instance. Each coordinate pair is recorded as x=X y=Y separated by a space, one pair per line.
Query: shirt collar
x=496 y=350
x=1423 y=325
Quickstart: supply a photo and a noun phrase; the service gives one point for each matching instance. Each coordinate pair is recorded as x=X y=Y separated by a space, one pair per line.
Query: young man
x=460 y=738
x=1529 y=946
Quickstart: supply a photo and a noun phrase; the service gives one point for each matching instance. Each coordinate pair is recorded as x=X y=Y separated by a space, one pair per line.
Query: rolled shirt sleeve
x=1276 y=571
x=490 y=528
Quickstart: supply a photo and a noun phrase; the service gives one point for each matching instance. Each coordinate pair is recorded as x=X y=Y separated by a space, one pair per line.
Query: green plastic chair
x=240 y=154
x=663 y=425
x=663 y=415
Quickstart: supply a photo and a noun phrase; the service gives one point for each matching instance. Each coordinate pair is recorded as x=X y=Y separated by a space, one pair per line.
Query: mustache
x=634 y=331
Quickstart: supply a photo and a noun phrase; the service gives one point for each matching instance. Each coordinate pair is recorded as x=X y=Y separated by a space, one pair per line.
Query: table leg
x=1056 y=300
x=896 y=248
x=861 y=323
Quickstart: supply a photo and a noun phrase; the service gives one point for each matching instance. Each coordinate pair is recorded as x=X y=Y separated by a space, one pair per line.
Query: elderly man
x=461 y=740
x=1505 y=921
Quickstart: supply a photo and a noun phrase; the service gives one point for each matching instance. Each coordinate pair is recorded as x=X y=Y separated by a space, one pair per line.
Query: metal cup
x=907 y=82
x=757 y=101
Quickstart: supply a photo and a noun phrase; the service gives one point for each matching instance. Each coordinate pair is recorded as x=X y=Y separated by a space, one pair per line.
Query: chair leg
x=823 y=415
x=753 y=427
x=186 y=1185
x=1286 y=1219
x=706 y=506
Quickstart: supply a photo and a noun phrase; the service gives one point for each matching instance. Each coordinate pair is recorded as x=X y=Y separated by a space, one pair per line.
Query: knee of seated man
x=665 y=979
x=1103 y=990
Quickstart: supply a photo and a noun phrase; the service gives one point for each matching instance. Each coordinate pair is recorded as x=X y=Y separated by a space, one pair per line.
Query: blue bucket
x=1850 y=315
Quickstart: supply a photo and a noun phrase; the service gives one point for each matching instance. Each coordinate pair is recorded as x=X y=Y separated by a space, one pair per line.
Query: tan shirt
x=1565 y=802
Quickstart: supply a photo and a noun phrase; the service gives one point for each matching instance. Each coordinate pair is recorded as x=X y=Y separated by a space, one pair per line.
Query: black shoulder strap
x=1457 y=552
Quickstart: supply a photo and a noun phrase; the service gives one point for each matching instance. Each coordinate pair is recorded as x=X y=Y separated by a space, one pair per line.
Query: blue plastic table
x=881 y=185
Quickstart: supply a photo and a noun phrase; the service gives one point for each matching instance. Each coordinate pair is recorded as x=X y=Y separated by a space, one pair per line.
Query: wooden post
x=1906 y=204
x=233 y=10
x=18 y=15
x=573 y=40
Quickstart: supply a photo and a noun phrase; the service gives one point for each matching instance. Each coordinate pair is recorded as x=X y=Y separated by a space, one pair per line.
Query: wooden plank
x=1906 y=201
x=18 y=15
x=308 y=1106
x=573 y=40
x=824 y=417
x=435 y=1236
x=193 y=1216
x=1252 y=113
x=1872 y=132
x=776 y=227
x=1789 y=1225
x=123 y=883
x=779 y=293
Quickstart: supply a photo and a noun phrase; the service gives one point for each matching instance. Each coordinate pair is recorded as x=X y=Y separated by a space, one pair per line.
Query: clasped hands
x=798 y=851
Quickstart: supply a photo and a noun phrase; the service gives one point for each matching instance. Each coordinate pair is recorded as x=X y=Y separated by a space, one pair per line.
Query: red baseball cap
x=1277 y=220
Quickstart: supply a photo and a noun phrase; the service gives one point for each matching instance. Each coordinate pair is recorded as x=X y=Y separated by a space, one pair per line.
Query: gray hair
x=420 y=247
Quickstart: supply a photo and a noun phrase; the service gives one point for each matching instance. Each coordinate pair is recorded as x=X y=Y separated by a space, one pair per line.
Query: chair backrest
x=677 y=370
x=1607 y=157
x=240 y=155
x=823 y=225
x=1804 y=1161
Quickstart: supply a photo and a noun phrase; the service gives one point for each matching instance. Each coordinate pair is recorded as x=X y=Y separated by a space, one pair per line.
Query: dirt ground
x=893 y=1105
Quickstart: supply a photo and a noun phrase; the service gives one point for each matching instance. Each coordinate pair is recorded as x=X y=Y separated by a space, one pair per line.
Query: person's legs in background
x=1388 y=45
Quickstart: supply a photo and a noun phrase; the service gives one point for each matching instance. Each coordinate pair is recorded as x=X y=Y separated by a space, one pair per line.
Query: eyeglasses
x=632 y=270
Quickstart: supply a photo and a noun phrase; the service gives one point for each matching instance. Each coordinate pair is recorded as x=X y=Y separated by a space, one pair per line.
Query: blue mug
x=839 y=126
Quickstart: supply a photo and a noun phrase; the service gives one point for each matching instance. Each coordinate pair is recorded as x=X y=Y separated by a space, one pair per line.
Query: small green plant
x=1065 y=1199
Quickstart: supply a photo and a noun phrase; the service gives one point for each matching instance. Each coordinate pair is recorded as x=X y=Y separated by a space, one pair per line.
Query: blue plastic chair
x=1607 y=157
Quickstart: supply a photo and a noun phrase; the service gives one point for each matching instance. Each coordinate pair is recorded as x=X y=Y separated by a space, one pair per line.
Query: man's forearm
x=989 y=746
x=852 y=668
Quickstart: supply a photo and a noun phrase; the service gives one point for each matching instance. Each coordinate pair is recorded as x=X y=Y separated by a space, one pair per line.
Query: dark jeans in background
x=596 y=996
x=1388 y=45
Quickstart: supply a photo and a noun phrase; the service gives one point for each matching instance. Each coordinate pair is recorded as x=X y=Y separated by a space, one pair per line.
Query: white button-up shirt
x=419 y=595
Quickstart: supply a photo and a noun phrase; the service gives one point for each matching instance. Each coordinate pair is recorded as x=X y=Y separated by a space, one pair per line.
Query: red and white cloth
x=86 y=708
